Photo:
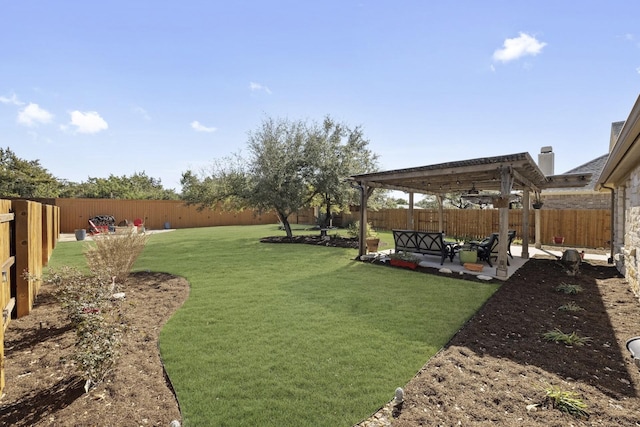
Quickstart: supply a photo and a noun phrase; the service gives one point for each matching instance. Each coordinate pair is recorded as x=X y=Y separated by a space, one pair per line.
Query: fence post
x=28 y=253
x=6 y=262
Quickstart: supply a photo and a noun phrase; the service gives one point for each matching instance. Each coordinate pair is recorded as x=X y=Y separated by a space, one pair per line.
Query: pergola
x=501 y=174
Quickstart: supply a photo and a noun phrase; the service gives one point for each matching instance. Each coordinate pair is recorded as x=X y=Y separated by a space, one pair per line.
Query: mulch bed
x=333 y=241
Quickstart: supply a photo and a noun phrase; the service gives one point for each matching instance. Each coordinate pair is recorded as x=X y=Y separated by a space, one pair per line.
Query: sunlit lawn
x=293 y=335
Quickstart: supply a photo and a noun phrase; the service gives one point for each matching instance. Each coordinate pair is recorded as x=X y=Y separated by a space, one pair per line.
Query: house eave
x=625 y=153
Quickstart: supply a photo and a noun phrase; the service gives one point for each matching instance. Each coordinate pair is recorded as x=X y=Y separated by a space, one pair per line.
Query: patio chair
x=102 y=224
x=512 y=235
x=138 y=223
x=97 y=229
x=488 y=248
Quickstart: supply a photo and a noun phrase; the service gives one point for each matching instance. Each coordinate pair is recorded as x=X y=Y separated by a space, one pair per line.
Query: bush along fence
x=28 y=234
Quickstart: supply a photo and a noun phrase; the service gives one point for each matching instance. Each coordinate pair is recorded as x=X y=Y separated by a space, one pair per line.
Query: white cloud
x=257 y=86
x=87 y=122
x=518 y=47
x=638 y=70
x=199 y=127
x=32 y=115
x=141 y=111
x=13 y=100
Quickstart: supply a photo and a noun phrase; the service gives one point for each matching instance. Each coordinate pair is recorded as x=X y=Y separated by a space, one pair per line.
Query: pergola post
x=506 y=177
x=525 y=224
x=538 y=226
x=440 y=213
x=410 y=220
x=365 y=192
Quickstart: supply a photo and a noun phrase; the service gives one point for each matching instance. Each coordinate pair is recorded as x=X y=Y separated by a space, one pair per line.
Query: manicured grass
x=291 y=335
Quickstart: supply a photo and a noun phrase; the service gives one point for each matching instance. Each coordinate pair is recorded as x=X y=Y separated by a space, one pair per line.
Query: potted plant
x=537 y=202
x=372 y=241
x=467 y=254
x=404 y=259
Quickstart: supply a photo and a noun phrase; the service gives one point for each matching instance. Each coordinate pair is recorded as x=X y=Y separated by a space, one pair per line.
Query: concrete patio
x=456 y=268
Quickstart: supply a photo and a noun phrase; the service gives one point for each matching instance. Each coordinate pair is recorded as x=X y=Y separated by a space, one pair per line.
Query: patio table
x=453 y=247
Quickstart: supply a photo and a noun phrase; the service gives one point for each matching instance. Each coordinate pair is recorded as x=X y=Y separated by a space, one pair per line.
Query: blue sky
x=118 y=87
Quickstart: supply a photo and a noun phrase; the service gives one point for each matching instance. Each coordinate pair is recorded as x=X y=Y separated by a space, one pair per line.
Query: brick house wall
x=628 y=228
x=591 y=200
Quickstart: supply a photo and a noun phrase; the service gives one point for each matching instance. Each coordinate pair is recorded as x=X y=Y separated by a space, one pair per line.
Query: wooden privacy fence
x=589 y=228
x=28 y=234
x=156 y=214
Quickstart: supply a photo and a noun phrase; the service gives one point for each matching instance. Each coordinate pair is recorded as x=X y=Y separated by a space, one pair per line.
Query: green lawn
x=292 y=335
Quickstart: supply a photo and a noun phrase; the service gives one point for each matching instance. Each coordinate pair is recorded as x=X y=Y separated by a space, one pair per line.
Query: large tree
x=289 y=163
x=272 y=177
x=25 y=178
x=335 y=152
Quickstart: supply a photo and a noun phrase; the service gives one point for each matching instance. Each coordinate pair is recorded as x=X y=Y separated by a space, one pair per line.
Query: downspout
x=612 y=225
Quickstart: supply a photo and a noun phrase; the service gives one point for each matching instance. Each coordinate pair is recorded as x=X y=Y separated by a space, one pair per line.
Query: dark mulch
x=43 y=389
x=329 y=240
x=496 y=369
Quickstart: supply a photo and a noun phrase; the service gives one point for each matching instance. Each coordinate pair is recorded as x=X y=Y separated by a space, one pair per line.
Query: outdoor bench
x=421 y=242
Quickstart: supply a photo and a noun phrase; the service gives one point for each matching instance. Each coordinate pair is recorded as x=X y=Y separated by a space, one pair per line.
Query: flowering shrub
x=96 y=315
x=97 y=318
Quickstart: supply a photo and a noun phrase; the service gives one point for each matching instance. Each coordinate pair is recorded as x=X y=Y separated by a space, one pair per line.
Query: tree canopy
x=28 y=179
x=137 y=186
x=334 y=152
x=25 y=178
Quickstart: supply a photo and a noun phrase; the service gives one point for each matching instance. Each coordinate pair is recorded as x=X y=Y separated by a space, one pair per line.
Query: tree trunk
x=285 y=223
x=327 y=218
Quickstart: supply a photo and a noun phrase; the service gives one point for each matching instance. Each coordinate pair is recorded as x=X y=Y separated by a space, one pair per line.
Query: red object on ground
x=403 y=263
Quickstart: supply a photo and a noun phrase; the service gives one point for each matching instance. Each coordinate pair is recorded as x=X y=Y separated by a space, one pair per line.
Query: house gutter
x=612 y=219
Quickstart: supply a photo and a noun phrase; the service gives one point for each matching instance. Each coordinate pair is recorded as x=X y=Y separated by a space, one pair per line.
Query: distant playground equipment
x=102 y=224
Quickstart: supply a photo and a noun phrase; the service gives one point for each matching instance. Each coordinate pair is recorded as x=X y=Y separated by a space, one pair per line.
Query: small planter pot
x=467 y=256
x=81 y=234
x=558 y=240
x=372 y=244
x=404 y=264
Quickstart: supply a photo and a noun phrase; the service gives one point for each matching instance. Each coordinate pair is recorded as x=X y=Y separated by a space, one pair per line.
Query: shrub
x=566 y=401
x=404 y=256
x=97 y=318
x=571 y=306
x=569 y=289
x=570 y=339
x=354 y=229
x=113 y=255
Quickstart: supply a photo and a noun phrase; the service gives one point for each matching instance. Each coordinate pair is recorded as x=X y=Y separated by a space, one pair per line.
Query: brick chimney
x=616 y=127
x=545 y=160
